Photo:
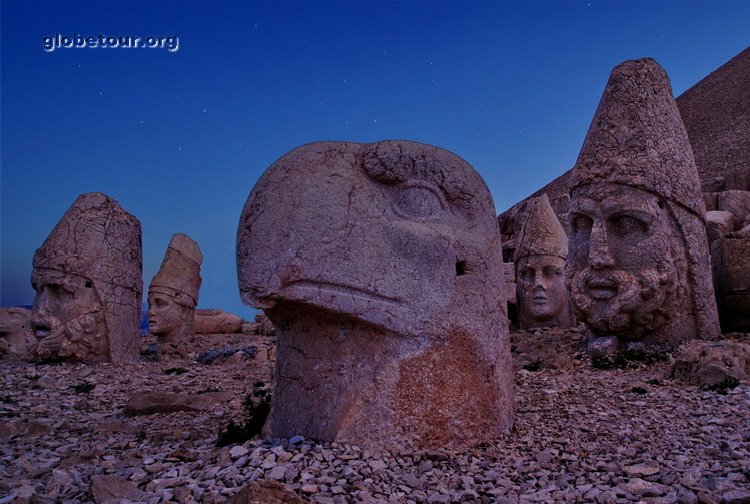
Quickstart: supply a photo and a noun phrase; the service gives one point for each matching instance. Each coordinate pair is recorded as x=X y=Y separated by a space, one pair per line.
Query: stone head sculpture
x=638 y=267
x=173 y=293
x=87 y=277
x=380 y=266
x=542 y=296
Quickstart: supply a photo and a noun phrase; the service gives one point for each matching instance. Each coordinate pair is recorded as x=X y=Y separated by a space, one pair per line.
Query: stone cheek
x=368 y=259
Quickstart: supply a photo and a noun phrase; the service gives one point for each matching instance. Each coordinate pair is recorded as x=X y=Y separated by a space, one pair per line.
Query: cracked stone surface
x=173 y=293
x=542 y=296
x=638 y=267
x=88 y=282
x=380 y=267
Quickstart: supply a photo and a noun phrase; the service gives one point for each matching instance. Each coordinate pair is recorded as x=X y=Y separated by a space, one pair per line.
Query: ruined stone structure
x=212 y=321
x=173 y=293
x=638 y=267
x=380 y=266
x=87 y=277
x=540 y=264
x=15 y=334
x=716 y=115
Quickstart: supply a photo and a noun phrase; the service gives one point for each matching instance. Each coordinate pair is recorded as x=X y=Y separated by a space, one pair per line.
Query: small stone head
x=87 y=277
x=638 y=264
x=540 y=265
x=173 y=293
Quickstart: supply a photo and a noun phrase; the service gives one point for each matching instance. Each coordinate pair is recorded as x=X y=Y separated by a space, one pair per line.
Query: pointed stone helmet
x=542 y=233
x=637 y=138
x=180 y=273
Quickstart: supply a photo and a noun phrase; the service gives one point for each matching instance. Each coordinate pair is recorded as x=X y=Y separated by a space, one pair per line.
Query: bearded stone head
x=638 y=266
x=87 y=277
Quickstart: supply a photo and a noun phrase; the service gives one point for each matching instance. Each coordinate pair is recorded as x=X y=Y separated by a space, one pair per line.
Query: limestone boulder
x=713 y=363
x=213 y=321
x=735 y=201
x=719 y=223
x=730 y=258
x=15 y=334
x=380 y=266
x=265 y=492
x=149 y=403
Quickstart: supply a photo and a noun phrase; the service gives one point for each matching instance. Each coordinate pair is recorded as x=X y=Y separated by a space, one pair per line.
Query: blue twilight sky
x=179 y=138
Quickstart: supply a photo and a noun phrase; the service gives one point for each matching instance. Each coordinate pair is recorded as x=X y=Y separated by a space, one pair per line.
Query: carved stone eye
x=627 y=225
x=418 y=201
x=581 y=225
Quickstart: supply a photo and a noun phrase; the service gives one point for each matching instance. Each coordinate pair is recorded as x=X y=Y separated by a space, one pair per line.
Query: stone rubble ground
x=581 y=435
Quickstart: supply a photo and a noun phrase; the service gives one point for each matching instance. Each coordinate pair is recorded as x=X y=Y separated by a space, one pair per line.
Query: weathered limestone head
x=380 y=266
x=542 y=296
x=87 y=277
x=15 y=335
x=173 y=293
x=638 y=267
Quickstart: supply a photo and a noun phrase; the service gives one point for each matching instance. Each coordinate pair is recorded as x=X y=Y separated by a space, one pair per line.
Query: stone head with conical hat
x=638 y=267
x=87 y=277
x=173 y=293
x=543 y=299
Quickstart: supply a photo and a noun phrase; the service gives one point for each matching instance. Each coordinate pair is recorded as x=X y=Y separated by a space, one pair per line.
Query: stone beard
x=168 y=319
x=627 y=265
x=542 y=294
x=68 y=319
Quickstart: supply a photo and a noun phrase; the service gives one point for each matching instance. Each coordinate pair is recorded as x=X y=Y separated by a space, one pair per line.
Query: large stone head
x=87 y=277
x=173 y=293
x=542 y=296
x=638 y=267
x=378 y=262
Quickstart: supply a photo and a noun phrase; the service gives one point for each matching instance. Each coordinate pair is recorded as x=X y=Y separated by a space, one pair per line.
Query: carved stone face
x=166 y=317
x=542 y=294
x=67 y=318
x=380 y=266
x=626 y=263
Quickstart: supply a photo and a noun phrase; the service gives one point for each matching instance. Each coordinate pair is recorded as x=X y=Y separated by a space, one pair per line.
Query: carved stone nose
x=599 y=253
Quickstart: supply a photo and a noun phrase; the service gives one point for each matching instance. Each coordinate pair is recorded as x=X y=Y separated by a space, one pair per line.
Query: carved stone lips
x=41 y=329
x=539 y=299
x=372 y=307
x=602 y=288
x=309 y=289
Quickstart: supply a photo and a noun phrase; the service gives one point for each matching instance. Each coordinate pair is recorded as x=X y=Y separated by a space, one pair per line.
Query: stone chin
x=629 y=305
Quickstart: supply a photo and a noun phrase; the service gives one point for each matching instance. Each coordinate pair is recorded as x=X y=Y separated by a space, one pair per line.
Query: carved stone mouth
x=602 y=289
x=309 y=289
x=41 y=329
